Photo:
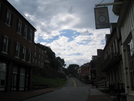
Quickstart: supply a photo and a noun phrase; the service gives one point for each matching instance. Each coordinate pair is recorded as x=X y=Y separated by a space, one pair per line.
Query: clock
x=101 y=19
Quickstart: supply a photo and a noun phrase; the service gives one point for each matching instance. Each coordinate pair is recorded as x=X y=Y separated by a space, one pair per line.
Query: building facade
x=126 y=24
x=16 y=49
x=112 y=65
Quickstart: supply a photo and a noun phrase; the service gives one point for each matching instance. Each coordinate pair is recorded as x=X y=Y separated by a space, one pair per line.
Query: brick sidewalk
x=19 y=96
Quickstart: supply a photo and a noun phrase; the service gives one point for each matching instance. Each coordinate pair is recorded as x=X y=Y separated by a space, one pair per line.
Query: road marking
x=74 y=82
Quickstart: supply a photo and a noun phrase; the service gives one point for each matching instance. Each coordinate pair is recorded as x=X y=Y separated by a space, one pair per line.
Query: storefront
x=3 y=73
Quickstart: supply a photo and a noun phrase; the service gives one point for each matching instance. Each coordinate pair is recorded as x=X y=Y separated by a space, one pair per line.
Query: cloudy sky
x=67 y=26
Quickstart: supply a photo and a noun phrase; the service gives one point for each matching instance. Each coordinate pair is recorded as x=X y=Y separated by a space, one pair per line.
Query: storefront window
x=14 y=78
x=2 y=76
x=22 y=79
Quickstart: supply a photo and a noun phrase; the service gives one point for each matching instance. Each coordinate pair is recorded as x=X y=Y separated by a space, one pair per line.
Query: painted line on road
x=74 y=82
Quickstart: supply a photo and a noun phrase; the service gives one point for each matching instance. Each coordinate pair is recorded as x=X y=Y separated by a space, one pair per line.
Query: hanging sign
x=101 y=17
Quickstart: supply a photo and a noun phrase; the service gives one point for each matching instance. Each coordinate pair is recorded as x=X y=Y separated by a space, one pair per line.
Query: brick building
x=16 y=49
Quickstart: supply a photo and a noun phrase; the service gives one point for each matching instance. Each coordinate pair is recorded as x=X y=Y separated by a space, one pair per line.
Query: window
x=2 y=76
x=25 y=31
x=36 y=61
x=29 y=55
x=5 y=45
x=39 y=62
x=14 y=77
x=24 y=53
x=8 y=18
x=39 y=56
x=19 y=26
x=30 y=36
x=17 y=50
x=131 y=63
x=22 y=79
x=33 y=60
x=1 y=10
x=35 y=54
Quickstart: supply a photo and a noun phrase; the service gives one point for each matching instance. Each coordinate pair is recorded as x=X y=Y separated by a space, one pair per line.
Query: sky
x=67 y=26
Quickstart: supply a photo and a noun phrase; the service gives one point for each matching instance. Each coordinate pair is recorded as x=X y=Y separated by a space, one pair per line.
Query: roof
x=17 y=12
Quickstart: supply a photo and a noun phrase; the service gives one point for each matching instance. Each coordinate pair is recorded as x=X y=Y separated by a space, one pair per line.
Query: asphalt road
x=74 y=90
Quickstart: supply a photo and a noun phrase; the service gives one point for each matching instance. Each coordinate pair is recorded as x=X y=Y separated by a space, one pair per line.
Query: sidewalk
x=97 y=95
x=19 y=96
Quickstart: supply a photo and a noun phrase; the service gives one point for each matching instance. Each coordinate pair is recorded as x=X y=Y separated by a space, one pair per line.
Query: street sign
x=101 y=17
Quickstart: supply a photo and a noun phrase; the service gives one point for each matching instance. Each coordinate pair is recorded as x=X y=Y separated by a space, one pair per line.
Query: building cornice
x=121 y=10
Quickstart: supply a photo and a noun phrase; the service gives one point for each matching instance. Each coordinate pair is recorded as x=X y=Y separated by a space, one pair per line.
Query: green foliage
x=50 y=53
x=57 y=62
x=52 y=83
x=71 y=68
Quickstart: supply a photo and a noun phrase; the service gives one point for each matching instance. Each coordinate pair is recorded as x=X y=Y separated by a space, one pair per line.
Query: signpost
x=101 y=17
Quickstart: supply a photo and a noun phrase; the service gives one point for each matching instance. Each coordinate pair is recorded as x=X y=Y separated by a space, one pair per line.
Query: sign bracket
x=104 y=4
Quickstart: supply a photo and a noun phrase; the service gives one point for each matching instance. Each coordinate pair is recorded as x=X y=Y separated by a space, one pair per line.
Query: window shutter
x=17 y=25
x=21 y=49
x=32 y=54
x=11 y=20
x=1 y=42
x=1 y=11
x=5 y=15
x=15 y=43
x=28 y=34
x=8 y=50
x=22 y=29
x=27 y=54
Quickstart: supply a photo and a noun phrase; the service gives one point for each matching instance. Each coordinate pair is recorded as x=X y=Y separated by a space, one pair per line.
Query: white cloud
x=68 y=49
x=53 y=16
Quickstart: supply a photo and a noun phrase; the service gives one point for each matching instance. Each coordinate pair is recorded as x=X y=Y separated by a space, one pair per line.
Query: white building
x=125 y=23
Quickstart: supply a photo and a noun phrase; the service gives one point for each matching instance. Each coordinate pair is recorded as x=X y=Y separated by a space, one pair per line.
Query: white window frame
x=8 y=18
x=19 y=26
x=17 y=50
x=5 y=45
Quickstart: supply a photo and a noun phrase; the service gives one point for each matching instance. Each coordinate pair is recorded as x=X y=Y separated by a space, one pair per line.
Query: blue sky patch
x=70 y=34
x=74 y=54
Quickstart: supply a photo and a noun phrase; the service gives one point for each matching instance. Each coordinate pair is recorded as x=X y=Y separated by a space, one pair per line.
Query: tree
x=71 y=68
x=62 y=62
